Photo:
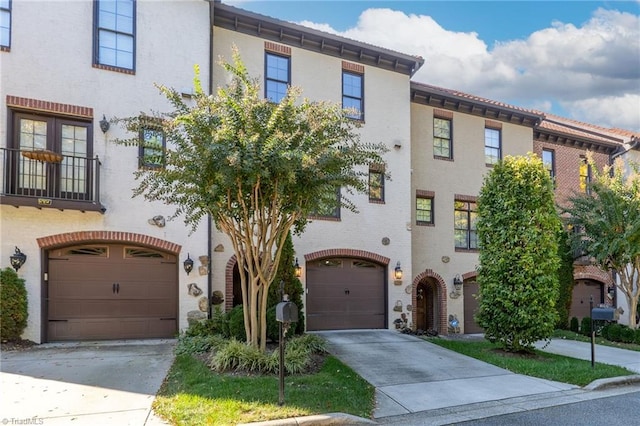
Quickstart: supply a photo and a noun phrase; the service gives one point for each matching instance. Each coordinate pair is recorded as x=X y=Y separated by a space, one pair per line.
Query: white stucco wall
x=51 y=60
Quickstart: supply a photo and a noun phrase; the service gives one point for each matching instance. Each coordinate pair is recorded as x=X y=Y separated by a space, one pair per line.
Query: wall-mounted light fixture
x=457 y=287
x=397 y=272
x=104 y=124
x=297 y=269
x=188 y=264
x=17 y=259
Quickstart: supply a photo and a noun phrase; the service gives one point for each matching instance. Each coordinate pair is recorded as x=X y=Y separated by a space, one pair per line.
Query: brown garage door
x=470 y=308
x=345 y=294
x=582 y=291
x=111 y=291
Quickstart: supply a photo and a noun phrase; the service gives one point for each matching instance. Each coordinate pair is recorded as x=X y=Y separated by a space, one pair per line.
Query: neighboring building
x=455 y=140
x=98 y=265
x=563 y=145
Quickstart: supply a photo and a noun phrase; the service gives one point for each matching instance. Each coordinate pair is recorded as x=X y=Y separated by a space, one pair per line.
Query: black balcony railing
x=48 y=179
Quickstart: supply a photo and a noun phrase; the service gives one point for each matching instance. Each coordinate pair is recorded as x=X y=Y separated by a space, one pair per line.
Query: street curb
x=612 y=381
x=318 y=420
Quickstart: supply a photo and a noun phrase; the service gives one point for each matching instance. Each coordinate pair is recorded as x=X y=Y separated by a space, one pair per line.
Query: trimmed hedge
x=13 y=305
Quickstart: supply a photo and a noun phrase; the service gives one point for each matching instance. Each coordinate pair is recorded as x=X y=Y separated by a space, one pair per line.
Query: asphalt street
x=620 y=410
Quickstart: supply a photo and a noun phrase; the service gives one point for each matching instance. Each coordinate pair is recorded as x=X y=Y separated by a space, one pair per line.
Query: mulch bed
x=16 y=345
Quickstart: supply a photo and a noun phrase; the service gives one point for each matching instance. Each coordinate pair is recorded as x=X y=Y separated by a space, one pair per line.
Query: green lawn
x=194 y=395
x=540 y=364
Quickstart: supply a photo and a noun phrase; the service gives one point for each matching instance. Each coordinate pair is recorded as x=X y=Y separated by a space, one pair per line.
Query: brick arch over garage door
x=442 y=296
x=70 y=238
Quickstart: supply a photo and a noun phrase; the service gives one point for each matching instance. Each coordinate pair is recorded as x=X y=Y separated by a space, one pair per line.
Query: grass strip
x=539 y=364
x=192 y=394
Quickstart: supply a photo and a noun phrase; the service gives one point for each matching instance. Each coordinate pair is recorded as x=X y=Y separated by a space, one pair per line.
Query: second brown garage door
x=470 y=308
x=344 y=294
x=111 y=291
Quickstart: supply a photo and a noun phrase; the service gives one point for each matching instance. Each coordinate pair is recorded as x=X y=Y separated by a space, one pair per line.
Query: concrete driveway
x=411 y=375
x=89 y=383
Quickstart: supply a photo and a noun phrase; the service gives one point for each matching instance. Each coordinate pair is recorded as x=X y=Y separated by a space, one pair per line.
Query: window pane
x=107 y=6
x=107 y=20
x=424 y=209
x=441 y=128
x=376 y=186
x=352 y=85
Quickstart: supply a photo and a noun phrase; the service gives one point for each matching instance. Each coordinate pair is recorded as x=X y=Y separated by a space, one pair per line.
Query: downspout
x=209 y=226
x=633 y=144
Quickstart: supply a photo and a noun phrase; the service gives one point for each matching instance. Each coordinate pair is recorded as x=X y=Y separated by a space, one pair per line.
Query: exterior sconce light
x=188 y=264
x=17 y=259
x=297 y=269
x=104 y=124
x=397 y=272
x=457 y=287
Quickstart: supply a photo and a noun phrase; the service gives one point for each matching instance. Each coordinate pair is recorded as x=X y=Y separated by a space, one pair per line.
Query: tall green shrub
x=292 y=287
x=518 y=274
x=585 y=326
x=565 y=280
x=13 y=305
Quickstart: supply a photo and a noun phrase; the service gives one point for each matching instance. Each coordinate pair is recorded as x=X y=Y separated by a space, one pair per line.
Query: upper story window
x=549 y=162
x=376 y=184
x=353 y=94
x=5 y=24
x=277 y=76
x=585 y=175
x=465 y=218
x=424 y=208
x=442 y=137
x=329 y=206
x=114 y=33
x=152 y=148
x=492 y=146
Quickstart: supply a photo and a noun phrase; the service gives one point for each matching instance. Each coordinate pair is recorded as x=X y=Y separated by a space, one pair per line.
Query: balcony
x=46 y=179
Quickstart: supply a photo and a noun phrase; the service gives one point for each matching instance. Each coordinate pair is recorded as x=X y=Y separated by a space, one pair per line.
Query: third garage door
x=111 y=291
x=345 y=293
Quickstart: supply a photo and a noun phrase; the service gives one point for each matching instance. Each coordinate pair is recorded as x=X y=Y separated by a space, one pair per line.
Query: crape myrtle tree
x=518 y=235
x=255 y=167
x=606 y=224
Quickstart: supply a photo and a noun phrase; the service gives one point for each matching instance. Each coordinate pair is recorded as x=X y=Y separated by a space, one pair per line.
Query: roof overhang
x=235 y=19
x=468 y=104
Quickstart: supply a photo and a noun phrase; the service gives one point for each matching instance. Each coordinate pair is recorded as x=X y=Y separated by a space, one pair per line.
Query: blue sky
x=577 y=59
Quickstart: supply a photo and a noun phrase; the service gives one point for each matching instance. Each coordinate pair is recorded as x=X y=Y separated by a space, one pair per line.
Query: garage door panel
x=111 y=292
x=127 y=328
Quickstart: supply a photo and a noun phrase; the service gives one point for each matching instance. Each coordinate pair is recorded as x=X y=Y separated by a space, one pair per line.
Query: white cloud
x=592 y=71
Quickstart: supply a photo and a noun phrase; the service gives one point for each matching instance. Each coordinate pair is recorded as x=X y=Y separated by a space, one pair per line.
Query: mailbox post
x=599 y=314
x=286 y=313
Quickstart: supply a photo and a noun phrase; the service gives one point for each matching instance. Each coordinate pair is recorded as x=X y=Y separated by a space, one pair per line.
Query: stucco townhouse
x=103 y=265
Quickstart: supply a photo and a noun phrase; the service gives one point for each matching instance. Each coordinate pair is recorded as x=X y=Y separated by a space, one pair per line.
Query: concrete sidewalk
x=604 y=354
x=89 y=383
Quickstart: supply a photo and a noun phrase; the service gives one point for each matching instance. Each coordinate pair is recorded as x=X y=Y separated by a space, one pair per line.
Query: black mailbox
x=286 y=312
x=606 y=314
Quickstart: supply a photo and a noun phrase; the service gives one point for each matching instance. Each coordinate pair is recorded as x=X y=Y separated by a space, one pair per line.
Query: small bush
x=13 y=305
x=188 y=344
x=574 y=325
x=236 y=324
x=614 y=332
x=605 y=331
x=228 y=356
x=637 y=338
x=627 y=335
x=311 y=342
x=585 y=326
